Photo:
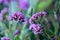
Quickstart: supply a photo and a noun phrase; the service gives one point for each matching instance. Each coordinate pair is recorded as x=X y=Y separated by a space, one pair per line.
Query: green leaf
x=32 y=36
x=54 y=24
x=17 y=37
x=43 y=5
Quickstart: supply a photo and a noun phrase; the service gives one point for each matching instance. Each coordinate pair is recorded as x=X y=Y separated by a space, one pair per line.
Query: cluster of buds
x=36 y=28
x=36 y=16
x=17 y=16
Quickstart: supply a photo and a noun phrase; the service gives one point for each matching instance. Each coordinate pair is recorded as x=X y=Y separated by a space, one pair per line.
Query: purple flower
x=36 y=16
x=36 y=28
x=5 y=1
x=18 y=16
x=1 y=1
x=43 y=13
x=33 y=18
x=5 y=38
x=16 y=32
x=23 y=4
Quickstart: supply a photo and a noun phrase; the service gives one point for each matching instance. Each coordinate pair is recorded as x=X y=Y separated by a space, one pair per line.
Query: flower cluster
x=18 y=16
x=23 y=4
x=36 y=16
x=5 y=38
x=36 y=28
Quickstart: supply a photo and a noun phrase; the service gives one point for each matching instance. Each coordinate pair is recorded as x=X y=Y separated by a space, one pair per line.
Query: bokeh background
x=24 y=19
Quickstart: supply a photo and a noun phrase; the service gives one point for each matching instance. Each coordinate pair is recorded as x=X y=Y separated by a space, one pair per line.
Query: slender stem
x=46 y=34
x=37 y=37
x=23 y=32
x=54 y=24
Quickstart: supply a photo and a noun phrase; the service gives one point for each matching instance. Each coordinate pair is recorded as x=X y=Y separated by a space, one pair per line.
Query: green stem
x=54 y=24
x=23 y=32
x=37 y=37
x=46 y=34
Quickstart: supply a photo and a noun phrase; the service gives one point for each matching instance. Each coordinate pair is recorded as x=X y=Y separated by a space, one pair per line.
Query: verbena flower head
x=16 y=32
x=36 y=28
x=18 y=16
x=5 y=38
x=36 y=16
x=23 y=4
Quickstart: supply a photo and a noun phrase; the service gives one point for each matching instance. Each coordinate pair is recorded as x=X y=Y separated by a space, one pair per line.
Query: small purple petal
x=1 y=17
x=16 y=32
x=43 y=13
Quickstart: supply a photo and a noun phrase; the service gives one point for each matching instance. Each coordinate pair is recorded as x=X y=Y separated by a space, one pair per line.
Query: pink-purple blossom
x=1 y=1
x=23 y=4
x=5 y=1
x=17 y=16
x=36 y=16
x=5 y=38
x=43 y=13
x=36 y=28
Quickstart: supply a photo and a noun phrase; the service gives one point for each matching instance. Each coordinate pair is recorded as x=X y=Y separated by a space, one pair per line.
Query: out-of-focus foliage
x=37 y=20
x=43 y=5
